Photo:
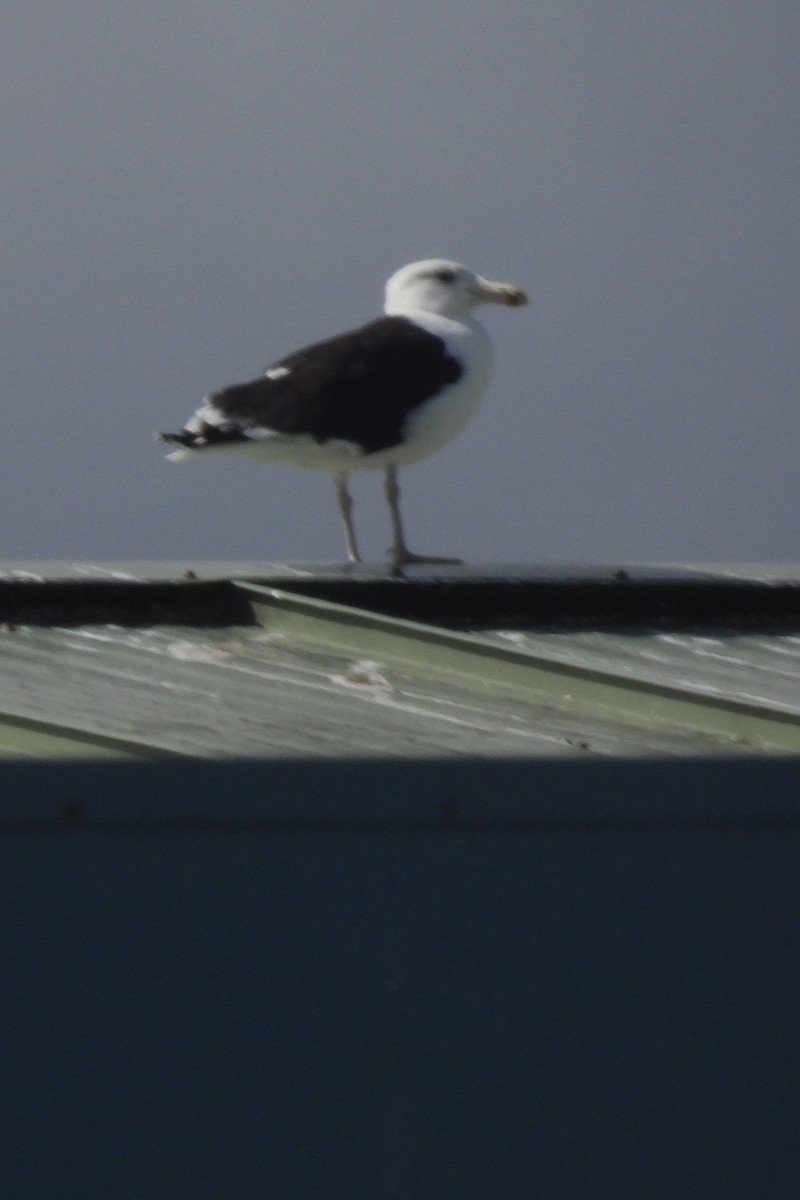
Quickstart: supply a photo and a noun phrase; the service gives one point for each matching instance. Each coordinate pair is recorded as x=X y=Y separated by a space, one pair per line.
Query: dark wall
x=401 y=981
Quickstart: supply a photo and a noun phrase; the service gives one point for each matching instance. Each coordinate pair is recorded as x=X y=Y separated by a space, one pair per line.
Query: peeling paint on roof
x=265 y=672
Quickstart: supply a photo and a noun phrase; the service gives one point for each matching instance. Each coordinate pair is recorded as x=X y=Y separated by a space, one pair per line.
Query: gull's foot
x=404 y=558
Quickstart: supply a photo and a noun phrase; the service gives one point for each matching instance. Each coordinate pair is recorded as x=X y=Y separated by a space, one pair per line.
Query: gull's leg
x=345 y=501
x=399 y=552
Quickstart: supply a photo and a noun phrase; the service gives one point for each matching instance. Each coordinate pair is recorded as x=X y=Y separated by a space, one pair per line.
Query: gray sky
x=190 y=190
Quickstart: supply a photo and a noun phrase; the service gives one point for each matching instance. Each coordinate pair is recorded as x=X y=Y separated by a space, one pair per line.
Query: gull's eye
x=445 y=275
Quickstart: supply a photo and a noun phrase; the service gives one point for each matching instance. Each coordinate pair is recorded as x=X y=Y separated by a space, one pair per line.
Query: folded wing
x=360 y=387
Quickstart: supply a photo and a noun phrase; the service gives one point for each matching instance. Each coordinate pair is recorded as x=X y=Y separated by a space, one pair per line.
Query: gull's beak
x=500 y=293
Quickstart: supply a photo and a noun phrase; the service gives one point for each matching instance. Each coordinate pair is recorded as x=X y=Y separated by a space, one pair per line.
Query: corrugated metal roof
x=228 y=660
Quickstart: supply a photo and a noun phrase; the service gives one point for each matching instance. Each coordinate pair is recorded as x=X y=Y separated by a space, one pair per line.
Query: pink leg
x=345 y=501
x=399 y=552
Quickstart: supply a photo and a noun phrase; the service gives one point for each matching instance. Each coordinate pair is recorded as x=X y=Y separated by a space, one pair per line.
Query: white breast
x=435 y=423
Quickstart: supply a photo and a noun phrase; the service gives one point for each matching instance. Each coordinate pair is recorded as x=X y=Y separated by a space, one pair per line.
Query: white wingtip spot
x=276 y=372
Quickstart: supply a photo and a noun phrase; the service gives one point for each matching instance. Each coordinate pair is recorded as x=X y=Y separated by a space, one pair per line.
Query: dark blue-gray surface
x=401 y=980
